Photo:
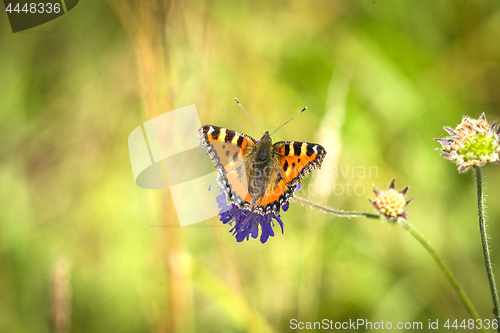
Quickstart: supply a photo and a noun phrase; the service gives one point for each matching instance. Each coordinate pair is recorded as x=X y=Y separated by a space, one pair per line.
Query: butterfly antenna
x=248 y=115
x=286 y=122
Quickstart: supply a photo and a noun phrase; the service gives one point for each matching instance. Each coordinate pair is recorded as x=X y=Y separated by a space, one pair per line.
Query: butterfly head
x=266 y=138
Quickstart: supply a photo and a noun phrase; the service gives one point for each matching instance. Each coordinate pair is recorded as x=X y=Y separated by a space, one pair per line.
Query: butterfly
x=258 y=175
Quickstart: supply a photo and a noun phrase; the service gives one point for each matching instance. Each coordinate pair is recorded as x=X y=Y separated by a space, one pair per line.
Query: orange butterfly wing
x=227 y=149
x=296 y=159
x=277 y=194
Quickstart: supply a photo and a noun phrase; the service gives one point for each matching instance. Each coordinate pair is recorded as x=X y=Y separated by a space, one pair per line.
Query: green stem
x=336 y=212
x=419 y=237
x=458 y=289
x=484 y=241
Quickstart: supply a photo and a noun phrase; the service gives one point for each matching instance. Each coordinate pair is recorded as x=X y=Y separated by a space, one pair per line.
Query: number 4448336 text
x=35 y=7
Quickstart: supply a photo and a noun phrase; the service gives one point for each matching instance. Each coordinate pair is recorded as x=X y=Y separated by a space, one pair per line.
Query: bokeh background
x=83 y=249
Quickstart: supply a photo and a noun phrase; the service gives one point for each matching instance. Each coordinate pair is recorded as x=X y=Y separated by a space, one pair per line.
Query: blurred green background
x=79 y=240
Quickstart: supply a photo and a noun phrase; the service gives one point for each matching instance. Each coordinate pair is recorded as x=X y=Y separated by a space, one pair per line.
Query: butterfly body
x=262 y=168
x=258 y=175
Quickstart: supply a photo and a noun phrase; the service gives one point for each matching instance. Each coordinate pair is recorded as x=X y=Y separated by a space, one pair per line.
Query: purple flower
x=247 y=222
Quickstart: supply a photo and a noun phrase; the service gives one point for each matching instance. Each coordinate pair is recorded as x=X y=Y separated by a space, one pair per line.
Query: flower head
x=473 y=143
x=247 y=222
x=390 y=203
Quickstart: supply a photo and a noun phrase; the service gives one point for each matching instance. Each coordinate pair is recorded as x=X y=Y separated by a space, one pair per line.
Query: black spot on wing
x=287 y=150
x=293 y=165
x=215 y=133
x=297 y=146
x=235 y=157
x=206 y=129
x=320 y=149
x=285 y=166
x=227 y=153
x=309 y=150
x=240 y=141
x=229 y=136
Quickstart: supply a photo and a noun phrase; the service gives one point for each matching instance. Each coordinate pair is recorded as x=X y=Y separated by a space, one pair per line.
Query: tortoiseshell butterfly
x=258 y=175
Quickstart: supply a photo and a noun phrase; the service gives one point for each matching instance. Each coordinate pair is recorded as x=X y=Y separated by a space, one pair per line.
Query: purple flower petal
x=246 y=222
x=444 y=142
x=285 y=206
x=225 y=218
x=448 y=156
x=392 y=184
x=254 y=230
x=277 y=218
x=463 y=168
x=266 y=232
x=403 y=192
x=449 y=130
x=483 y=117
